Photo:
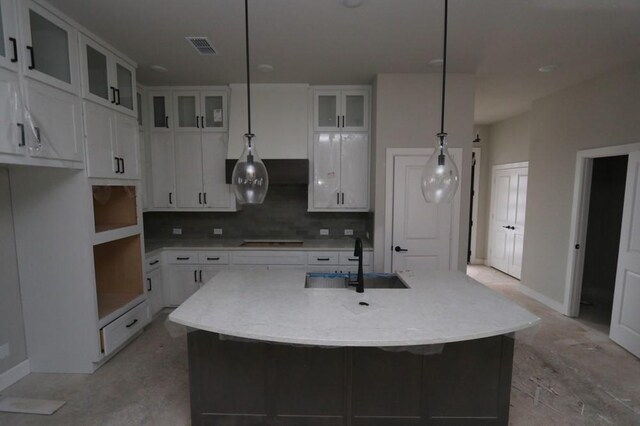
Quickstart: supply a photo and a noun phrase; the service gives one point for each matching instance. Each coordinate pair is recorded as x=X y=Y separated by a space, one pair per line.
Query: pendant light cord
x=444 y=65
x=246 y=30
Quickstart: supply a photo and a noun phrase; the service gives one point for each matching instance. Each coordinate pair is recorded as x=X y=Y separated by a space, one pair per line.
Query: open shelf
x=114 y=207
x=118 y=269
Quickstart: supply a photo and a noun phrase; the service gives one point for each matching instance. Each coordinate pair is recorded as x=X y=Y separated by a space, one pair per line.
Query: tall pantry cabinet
x=78 y=225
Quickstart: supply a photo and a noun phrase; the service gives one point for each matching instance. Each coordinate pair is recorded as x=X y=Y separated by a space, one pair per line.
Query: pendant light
x=440 y=176
x=250 y=180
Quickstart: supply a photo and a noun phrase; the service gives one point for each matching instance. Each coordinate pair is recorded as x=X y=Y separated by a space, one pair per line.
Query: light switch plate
x=217 y=231
x=324 y=232
x=177 y=231
x=4 y=351
x=348 y=232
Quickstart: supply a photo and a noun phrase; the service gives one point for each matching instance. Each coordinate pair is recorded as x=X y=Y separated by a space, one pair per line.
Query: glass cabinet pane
x=2 y=46
x=214 y=111
x=50 y=48
x=139 y=99
x=187 y=111
x=97 y=70
x=354 y=114
x=160 y=118
x=125 y=86
x=327 y=111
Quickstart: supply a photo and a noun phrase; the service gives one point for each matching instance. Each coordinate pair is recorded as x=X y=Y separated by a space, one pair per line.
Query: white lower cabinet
x=120 y=330
x=154 y=289
x=182 y=281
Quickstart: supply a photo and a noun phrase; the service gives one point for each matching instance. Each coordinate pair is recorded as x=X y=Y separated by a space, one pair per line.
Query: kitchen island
x=265 y=350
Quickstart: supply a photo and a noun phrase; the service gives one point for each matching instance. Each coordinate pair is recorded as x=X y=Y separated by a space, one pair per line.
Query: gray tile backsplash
x=283 y=215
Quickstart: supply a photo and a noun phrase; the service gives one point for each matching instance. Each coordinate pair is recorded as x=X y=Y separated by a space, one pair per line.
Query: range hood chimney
x=280 y=120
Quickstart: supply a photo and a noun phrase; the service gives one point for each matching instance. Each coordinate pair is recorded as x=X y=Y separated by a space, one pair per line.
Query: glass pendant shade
x=440 y=176
x=250 y=180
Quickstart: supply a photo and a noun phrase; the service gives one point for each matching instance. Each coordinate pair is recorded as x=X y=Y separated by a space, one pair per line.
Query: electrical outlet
x=367 y=235
x=4 y=351
x=177 y=231
x=217 y=231
x=348 y=232
x=324 y=232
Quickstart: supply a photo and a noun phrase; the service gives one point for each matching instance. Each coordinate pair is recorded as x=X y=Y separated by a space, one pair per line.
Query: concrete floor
x=565 y=373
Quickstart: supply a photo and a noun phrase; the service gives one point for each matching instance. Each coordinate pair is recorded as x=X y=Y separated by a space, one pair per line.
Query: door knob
x=400 y=249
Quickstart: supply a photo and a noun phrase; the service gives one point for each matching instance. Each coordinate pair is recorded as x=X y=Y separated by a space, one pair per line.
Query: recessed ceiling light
x=436 y=62
x=265 y=68
x=158 y=68
x=351 y=3
x=548 y=68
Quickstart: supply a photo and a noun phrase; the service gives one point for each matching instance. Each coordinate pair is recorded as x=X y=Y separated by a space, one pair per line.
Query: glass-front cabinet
x=160 y=111
x=204 y=110
x=50 y=48
x=107 y=79
x=8 y=35
x=343 y=110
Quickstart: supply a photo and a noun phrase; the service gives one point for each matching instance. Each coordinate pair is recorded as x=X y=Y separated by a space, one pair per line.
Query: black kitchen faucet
x=359 y=282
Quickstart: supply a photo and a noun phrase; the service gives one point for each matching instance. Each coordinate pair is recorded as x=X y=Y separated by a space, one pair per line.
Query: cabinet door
x=217 y=193
x=154 y=289
x=355 y=111
x=186 y=106
x=124 y=82
x=57 y=123
x=208 y=272
x=354 y=175
x=141 y=102
x=126 y=135
x=144 y=170
x=101 y=151
x=162 y=170
x=326 y=170
x=213 y=111
x=94 y=62
x=188 y=149
x=12 y=136
x=51 y=48
x=8 y=35
x=326 y=111
x=182 y=281
x=160 y=112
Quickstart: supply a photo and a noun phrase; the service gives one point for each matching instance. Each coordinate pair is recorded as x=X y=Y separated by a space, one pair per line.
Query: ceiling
x=503 y=42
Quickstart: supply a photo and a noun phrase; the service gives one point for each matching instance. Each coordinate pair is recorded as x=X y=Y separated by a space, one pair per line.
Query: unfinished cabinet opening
x=118 y=268
x=114 y=207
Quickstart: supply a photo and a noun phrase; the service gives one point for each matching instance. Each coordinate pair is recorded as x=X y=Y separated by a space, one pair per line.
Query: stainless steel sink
x=371 y=281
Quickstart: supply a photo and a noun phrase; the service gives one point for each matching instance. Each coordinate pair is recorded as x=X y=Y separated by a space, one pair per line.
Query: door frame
x=580 y=219
x=494 y=169
x=388 y=217
x=474 y=210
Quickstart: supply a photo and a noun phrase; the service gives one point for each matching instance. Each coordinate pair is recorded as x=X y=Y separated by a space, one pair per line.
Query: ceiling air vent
x=202 y=45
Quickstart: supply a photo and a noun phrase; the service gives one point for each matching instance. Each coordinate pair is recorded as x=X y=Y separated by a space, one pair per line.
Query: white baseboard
x=14 y=374
x=556 y=306
x=477 y=261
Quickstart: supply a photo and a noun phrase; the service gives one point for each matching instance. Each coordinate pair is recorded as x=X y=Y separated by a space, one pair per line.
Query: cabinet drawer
x=117 y=332
x=347 y=258
x=182 y=257
x=214 y=258
x=152 y=262
x=264 y=257
x=323 y=258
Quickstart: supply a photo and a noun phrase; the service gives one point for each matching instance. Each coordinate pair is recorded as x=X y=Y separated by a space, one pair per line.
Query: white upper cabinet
x=8 y=35
x=200 y=110
x=162 y=170
x=341 y=110
x=160 y=111
x=106 y=78
x=50 y=48
x=12 y=131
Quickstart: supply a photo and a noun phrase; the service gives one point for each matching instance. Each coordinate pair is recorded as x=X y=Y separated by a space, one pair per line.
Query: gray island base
x=291 y=355
x=236 y=383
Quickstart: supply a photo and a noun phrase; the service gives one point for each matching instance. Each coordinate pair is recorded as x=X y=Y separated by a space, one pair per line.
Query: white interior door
x=625 y=319
x=421 y=230
x=188 y=149
x=508 y=205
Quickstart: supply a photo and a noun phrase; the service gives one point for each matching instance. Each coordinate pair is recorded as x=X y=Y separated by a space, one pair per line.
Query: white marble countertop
x=274 y=306
x=333 y=244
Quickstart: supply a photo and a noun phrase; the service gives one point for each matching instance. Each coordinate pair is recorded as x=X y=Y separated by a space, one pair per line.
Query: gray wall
x=283 y=215
x=11 y=320
x=597 y=113
x=407 y=115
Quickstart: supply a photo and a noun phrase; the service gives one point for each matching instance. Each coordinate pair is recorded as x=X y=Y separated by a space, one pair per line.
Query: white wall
x=601 y=112
x=11 y=320
x=407 y=115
